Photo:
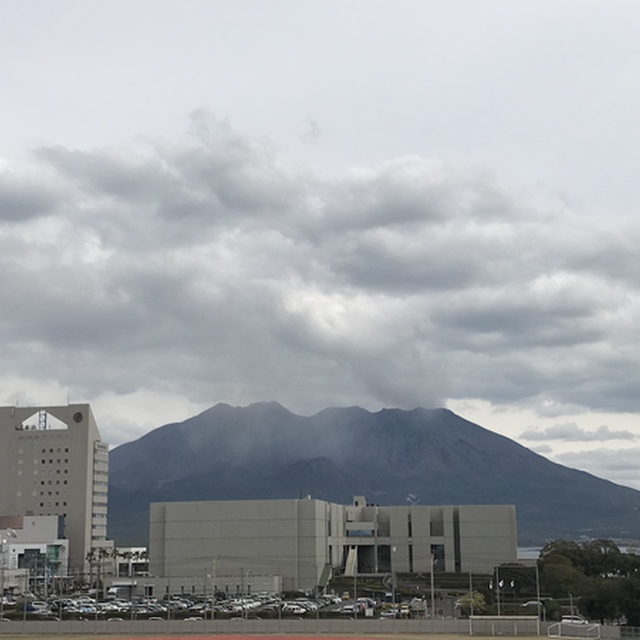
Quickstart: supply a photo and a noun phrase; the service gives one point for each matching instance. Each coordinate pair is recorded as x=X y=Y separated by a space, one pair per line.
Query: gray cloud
x=571 y=432
x=543 y=449
x=20 y=203
x=617 y=465
x=203 y=267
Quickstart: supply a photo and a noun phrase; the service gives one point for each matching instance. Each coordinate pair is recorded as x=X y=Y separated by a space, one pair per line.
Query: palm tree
x=91 y=557
x=128 y=557
x=101 y=553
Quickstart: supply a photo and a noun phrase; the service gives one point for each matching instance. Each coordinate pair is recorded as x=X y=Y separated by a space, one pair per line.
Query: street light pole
x=245 y=605
x=393 y=594
x=355 y=593
x=470 y=604
x=538 y=603
x=213 y=588
x=433 y=594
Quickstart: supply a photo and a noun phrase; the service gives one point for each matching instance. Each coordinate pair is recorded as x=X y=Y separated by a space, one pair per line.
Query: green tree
x=604 y=601
x=603 y=581
x=602 y=559
x=552 y=609
x=473 y=601
x=560 y=578
x=630 y=600
x=562 y=549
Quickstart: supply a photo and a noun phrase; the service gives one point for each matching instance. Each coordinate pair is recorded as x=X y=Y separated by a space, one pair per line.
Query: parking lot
x=193 y=607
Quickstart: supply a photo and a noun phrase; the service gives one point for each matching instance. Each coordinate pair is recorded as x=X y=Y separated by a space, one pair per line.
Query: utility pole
x=470 y=604
x=433 y=593
x=213 y=588
x=538 y=596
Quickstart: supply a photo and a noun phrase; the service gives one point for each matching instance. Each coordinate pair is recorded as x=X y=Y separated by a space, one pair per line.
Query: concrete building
x=34 y=554
x=305 y=542
x=54 y=463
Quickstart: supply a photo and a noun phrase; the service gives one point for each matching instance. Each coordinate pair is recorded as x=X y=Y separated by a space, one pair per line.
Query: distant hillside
x=265 y=451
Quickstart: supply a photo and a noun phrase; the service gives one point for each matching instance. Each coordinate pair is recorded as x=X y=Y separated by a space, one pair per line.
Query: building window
x=437 y=554
x=437 y=522
x=384 y=558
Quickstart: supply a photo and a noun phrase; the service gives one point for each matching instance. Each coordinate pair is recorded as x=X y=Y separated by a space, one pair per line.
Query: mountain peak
x=265 y=451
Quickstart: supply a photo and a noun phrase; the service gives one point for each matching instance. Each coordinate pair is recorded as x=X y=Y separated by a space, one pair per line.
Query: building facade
x=36 y=545
x=54 y=463
x=306 y=542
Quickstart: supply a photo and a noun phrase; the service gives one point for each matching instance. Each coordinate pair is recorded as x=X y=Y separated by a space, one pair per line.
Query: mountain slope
x=265 y=451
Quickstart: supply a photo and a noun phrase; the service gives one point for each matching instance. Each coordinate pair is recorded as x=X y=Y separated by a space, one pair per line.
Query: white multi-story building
x=54 y=463
x=304 y=542
x=33 y=548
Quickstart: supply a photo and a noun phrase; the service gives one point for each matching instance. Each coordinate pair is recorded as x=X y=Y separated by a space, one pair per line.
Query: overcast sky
x=388 y=204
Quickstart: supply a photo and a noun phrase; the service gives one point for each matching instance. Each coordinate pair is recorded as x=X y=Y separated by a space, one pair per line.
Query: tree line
x=602 y=581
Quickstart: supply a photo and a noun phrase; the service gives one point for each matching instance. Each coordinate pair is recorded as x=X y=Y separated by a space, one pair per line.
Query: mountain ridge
x=266 y=451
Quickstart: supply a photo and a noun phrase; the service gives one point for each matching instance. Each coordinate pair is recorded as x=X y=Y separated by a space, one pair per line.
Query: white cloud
x=374 y=222
x=203 y=269
x=618 y=465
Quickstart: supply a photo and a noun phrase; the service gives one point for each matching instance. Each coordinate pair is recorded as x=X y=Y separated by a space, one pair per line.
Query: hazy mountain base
x=392 y=456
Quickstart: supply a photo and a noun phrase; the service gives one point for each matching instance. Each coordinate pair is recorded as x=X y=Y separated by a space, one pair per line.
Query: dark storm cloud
x=204 y=267
x=497 y=320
